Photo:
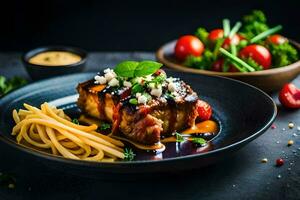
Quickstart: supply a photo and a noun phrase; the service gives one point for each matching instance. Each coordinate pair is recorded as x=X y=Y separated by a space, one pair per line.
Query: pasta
x=50 y=128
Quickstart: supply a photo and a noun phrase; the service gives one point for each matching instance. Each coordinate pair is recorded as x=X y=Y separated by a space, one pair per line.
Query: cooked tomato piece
x=289 y=96
x=204 y=110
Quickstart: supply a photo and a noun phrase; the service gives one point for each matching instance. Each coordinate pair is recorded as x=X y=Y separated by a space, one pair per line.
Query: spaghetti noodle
x=50 y=128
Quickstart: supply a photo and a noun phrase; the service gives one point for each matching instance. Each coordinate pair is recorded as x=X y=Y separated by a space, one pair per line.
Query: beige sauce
x=55 y=58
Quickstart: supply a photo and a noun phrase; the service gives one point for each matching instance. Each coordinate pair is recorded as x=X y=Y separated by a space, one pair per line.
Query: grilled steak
x=147 y=122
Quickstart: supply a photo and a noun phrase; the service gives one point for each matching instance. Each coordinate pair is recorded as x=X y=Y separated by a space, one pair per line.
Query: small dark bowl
x=38 y=72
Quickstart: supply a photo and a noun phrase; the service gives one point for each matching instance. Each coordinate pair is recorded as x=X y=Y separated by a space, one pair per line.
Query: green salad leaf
x=202 y=34
x=254 y=24
x=201 y=62
x=283 y=54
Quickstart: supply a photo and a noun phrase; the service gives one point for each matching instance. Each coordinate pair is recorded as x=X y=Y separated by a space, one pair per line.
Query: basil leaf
x=145 y=68
x=126 y=68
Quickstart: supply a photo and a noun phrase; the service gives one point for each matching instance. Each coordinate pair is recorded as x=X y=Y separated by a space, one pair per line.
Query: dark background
x=136 y=25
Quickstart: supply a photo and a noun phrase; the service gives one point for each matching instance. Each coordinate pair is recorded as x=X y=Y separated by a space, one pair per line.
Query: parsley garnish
x=198 y=140
x=75 y=121
x=133 y=101
x=104 y=126
x=129 y=154
x=179 y=137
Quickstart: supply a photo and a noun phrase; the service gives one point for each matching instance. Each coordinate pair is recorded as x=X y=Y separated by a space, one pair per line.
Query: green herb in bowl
x=7 y=85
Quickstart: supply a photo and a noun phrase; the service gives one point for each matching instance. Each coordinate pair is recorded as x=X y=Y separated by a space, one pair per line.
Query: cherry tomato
x=215 y=34
x=188 y=45
x=277 y=39
x=234 y=40
x=258 y=53
x=204 y=110
x=217 y=66
x=233 y=69
x=289 y=96
x=279 y=162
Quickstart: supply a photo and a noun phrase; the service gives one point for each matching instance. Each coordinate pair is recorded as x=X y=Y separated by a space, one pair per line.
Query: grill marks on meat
x=145 y=124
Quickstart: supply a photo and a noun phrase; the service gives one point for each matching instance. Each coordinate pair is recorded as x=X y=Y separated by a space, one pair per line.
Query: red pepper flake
x=279 y=162
x=273 y=126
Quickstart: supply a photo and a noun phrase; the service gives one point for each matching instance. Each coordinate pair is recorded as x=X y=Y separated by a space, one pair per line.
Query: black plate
x=242 y=111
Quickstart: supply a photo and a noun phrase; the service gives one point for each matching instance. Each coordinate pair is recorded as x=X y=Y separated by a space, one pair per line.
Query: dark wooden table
x=241 y=176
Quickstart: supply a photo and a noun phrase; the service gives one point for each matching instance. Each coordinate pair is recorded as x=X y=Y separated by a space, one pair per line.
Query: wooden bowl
x=270 y=80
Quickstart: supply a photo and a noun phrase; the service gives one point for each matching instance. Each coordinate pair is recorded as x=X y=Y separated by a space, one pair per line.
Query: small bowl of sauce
x=45 y=62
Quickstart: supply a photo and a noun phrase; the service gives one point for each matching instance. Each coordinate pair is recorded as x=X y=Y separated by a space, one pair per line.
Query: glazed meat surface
x=142 y=123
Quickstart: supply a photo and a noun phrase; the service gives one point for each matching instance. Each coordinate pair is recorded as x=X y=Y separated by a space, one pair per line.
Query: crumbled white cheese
x=170 y=79
x=172 y=87
x=138 y=95
x=142 y=99
x=138 y=80
x=127 y=84
x=151 y=85
x=100 y=79
x=108 y=70
x=113 y=82
x=156 y=92
x=149 y=78
x=109 y=76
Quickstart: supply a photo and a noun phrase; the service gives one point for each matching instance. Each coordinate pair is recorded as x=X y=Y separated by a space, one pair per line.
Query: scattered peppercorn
x=273 y=126
x=290 y=142
x=291 y=125
x=279 y=162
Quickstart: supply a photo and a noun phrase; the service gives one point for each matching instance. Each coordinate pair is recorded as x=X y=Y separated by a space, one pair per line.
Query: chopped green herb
x=133 y=101
x=236 y=60
x=265 y=34
x=169 y=95
x=226 y=27
x=129 y=154
x=158 y=79
x=235 y=29
x=198 y=140
x=147 y=95
x=104 y=126
x=75 y=121
x=179 y=137
x=137 y=88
